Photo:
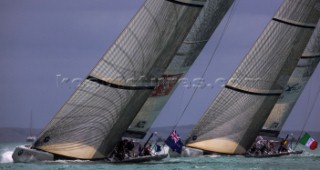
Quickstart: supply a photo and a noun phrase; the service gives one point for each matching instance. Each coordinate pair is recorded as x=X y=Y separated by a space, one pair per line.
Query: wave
x=6 y=157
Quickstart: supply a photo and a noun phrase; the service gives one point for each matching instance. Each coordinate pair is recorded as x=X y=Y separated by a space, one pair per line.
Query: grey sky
x=43 y=42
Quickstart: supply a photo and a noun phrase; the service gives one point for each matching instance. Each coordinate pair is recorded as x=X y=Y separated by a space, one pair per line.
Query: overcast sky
x=43 y=43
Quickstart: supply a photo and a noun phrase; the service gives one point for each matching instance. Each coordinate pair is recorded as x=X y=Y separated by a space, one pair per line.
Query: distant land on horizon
x=8 y=134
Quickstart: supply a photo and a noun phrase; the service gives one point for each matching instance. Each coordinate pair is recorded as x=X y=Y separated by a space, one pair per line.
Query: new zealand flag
x=174 y=142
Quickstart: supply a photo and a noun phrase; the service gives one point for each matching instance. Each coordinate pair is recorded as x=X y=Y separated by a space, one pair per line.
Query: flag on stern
x=309 y=142
x=174 y=142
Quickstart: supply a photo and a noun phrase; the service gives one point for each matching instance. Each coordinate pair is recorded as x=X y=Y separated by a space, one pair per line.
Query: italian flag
x=308 y=141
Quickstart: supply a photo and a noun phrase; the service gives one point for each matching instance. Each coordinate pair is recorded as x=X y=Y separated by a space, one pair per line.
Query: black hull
x=273 y=154
x=140 y=159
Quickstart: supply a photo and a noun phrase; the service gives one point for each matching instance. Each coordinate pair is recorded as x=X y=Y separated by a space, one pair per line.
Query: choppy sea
x=307 y=160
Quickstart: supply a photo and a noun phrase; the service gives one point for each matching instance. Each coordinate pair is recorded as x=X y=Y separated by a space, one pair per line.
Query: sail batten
x=194 y=3
x=102 y=82
x=235 y=117
x=208 y=20
x=269 y=93
x=293 y=23
x=93 y=120
x=310 y=56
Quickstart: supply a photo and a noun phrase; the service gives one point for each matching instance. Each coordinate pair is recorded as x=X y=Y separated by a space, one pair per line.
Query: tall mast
x=30 y=124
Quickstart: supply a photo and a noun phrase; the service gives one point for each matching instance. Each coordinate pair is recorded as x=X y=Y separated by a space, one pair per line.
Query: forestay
x=298 y=80
x=208 y=20
x=235 y=117
x=96 y=116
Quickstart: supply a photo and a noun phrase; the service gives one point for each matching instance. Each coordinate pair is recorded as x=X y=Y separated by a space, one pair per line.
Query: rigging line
x=210 y=60
x=309 y=114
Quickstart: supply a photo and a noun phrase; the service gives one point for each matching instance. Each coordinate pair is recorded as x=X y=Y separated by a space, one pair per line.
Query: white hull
x=187 y=152
x=24 y=154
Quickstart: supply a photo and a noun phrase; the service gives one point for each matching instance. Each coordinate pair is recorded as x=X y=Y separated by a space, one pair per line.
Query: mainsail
x=208 y=20
x=96 y=116
x=235 y=117
x=298 y=80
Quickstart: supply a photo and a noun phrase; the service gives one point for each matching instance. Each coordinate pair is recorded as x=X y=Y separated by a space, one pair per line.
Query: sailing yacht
x=92 y=122
x=234 y=119
x=280 y=112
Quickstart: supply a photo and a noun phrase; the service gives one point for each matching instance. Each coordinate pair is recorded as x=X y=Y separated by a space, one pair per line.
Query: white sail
x=208 y=20
x=298 y=80
x=96 y=116
x=235 y=117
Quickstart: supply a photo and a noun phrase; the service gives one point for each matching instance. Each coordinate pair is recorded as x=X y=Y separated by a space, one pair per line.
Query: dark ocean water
x=307 y=160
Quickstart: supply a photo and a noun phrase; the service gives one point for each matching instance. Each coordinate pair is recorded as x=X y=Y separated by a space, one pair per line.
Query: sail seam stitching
x=102 y=82
x=252 y=93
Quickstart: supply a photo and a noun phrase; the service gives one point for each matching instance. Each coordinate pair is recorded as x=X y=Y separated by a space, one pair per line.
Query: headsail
x=298 y=80
x=208 y=20
x=96 y=116
x=235 y=117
